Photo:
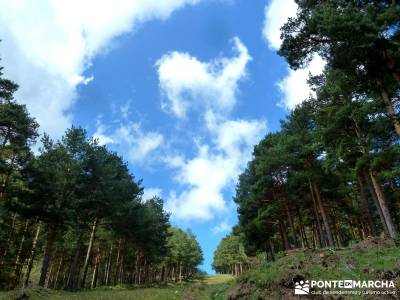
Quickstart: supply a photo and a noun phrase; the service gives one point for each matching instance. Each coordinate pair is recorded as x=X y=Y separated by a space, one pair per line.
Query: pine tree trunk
x=88 y=254
x=58 y=271
x=285 y=239
x=96 y=268
x=64 y=278
x=390 y=62
x=73 y=276
x=382 y=203
x=17 y=263
x=290 y=219
x=180 y=271
x=32 y=256
x=378 y=207
x=121 y=270
x=321 y=239
x=140 y=274
x=375 y=188
x=334 y=229
x=117 y=263
x=337 y=232
x=302 y=228
x=314 y=236
x=366 y=207
x=137 y=267
x=162 y=274
x=108 y=269
x=390 y=110
x=323 y=214
x=48 y=251
x=50 y=274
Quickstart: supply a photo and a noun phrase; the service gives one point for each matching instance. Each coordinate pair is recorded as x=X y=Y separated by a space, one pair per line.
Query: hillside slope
x=372 y=259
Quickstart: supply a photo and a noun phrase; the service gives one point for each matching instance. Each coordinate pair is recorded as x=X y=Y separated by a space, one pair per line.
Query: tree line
x=331 y=174
x=230 y=256
x=73 y=214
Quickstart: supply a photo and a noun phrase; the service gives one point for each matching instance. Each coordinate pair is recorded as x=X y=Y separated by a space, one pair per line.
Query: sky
x=182 y=89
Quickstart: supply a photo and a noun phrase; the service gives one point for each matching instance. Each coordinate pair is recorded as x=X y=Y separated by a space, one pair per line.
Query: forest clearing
x=368 y=260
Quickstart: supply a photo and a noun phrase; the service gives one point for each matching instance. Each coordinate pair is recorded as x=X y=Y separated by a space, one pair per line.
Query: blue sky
x=183 y=89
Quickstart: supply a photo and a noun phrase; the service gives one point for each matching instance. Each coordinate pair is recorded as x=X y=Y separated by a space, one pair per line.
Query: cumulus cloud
x=223 y=226
x=131 y=139
x=47 y=46
x=234 y=136
x=187 y=82
x=276 y=14
x=210 y=88
x=214 y=169
x=294 y=86
x=149 y=193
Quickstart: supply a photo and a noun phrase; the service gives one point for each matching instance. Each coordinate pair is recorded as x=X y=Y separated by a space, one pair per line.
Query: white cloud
x=213 y=169
x=187 y=82
x=100 y=134
x=47 y=46
x=276 y=14
x=210 y=88
x=294 y=86
x=224 y=226
x=174 y=161
x=130 y=139
x=149 y=193
x=234 y=136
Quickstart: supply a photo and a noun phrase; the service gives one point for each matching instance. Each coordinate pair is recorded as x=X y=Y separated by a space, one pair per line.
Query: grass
x=210 y=287
x=368 y=262
x=218 y=279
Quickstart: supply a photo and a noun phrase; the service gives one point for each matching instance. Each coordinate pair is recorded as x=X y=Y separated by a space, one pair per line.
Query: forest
x=72 y=212
x=331 y=175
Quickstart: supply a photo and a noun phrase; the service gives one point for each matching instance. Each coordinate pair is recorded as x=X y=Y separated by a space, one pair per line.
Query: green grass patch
x=210 y=287
x=326 y=265
x=360 y=262
x=218 y=279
